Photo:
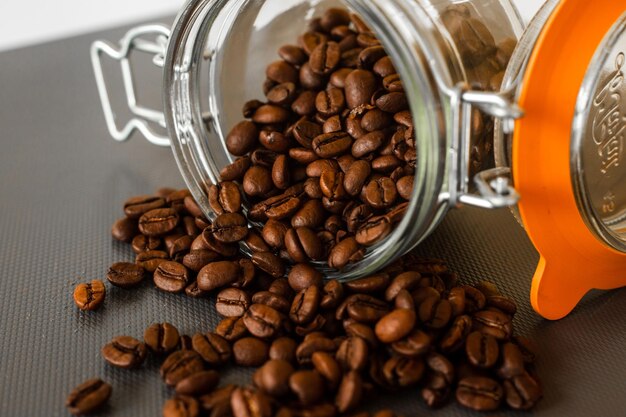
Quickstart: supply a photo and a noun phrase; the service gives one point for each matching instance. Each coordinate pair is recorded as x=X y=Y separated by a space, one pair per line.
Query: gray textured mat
x=62 y=181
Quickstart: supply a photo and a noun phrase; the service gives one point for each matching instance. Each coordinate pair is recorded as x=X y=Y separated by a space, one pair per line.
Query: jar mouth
x=222 y=37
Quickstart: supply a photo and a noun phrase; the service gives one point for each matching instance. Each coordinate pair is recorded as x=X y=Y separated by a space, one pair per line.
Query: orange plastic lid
x=573 y=259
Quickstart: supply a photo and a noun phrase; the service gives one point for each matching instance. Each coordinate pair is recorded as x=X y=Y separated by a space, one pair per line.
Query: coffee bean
x=218 y=274
x=217 y=403
x=352 y=353
x=356 y=176
x=236 y=170
x=303 y=276
x=414 y=344
x=330 y=103
x=213 y=348
x=363 y=308
x=325 y=58
x=482 y=350
x=171 y=277
x=270 y=263
x=231 y=328
x=293 y=54
x=275 y=301
x=246 y=402
x=280 y=94
x=454 y=338
x=350 y=392
x=494 y=323
x=124 y=229
x=124 y=352
x=311 y=345
x=308 y=386
x=281 y=175
x=262 y=321
x=250 y=351
x=360 y=85
x=195 y=260
x=334 y=17
x=373 y=230
x=141 y=243
x=522 y=392
x=179 y=365
x=283 y=348
x=328 y=145
x=479 y=393
x=181 y=406
x=303 y=244
x=376 y=120
x=232 y=302
x=273 y=377
x=384 y=67
x=344 y=252
x=89 y=296
x=229 y=228
x=158 y=222
x=395 y=325
x=305 y=305
x=136 y=206
x=224 y=198
x=161 y=338
x=435 y=312
x=311 y=215
x=274 y=233
x=381 y=193
x=88 y=396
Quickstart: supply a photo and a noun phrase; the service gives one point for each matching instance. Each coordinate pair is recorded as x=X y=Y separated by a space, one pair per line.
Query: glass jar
x=470 y=71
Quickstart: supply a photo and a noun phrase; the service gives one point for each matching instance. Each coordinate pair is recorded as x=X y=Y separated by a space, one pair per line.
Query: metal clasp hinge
x=132 y=41
x=493 y=186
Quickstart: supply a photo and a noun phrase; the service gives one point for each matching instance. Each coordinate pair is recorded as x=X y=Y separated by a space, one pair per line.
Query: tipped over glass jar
x=477 y=108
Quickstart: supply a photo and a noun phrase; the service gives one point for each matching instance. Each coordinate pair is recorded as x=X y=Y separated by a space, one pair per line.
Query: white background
x=26 y=22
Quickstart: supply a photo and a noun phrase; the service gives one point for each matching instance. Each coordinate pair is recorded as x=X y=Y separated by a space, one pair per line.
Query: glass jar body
x=438 y=48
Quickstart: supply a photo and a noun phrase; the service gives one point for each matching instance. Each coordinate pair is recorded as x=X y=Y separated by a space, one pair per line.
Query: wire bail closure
x=143 y=116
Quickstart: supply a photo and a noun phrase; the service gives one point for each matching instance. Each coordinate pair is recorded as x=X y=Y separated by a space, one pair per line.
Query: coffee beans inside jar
x=326 y=163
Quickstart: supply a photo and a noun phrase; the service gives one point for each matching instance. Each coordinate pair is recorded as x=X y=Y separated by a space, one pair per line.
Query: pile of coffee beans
x=326 y=166
x=321 y=346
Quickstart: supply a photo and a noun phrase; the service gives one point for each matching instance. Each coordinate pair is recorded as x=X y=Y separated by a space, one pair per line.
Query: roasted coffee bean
x=331 y=184
x=176 y=200
x=376 y=120
x=171 y=277
x=270 y=263
x=328 y=145
x=303 y=276
x=213 y=348
x=512 y=362
x=435 y=313
x=350 y=392
x=250 y=351
x=527 y=347
x=218 y=274
x=293 y=54
x=141 y=243
x=257 y=181
x=454 y=338
x=231 y=328
x=308 y=386
x=262 y=321
x=325 y=58
x=224 y=198
x=311 y=344
x=456 y=297
x=88 y=397
x=124 y=352
x=373 y=230
x=360 y=85
x=503 y=304
x=310 y=40
x=482 y=350
x=249 y=107
x=369 y=285
x=180 y=247
x=363 y=308
x=136 y=206
x=326 y=365
x=356 y=176
x=269 y=114
x=232 y=302
x=230 y=228
x=242 y=138
x=384 y=67
x=414 y=344
x=395 y=325
x=330 y=103
x=311 y=215
x=185 y=342
x=403 y=372
x=181 y=406
x=404 y=281
x=280 y=94
x=246 y=402
x=334 y=17
x=89 y=296
x=217 y=403
x=124 y=229
x=479 y=393
x=158 y=222
x=303 y=244
x=283 y=348
x=195 y=260
x=344 y=252
x=370 y=55
x=281 y=175
x=393 y=102
x=305 y=305
x=352 y=353
x=274 y=233
x=273 y=377
x=282 y=72
x=494 y=323
x=277 y=302
x=236 y=170
x=381 y=193
x=522 y=392
x=161 y=338
x=179 y=365
x=474 y=299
